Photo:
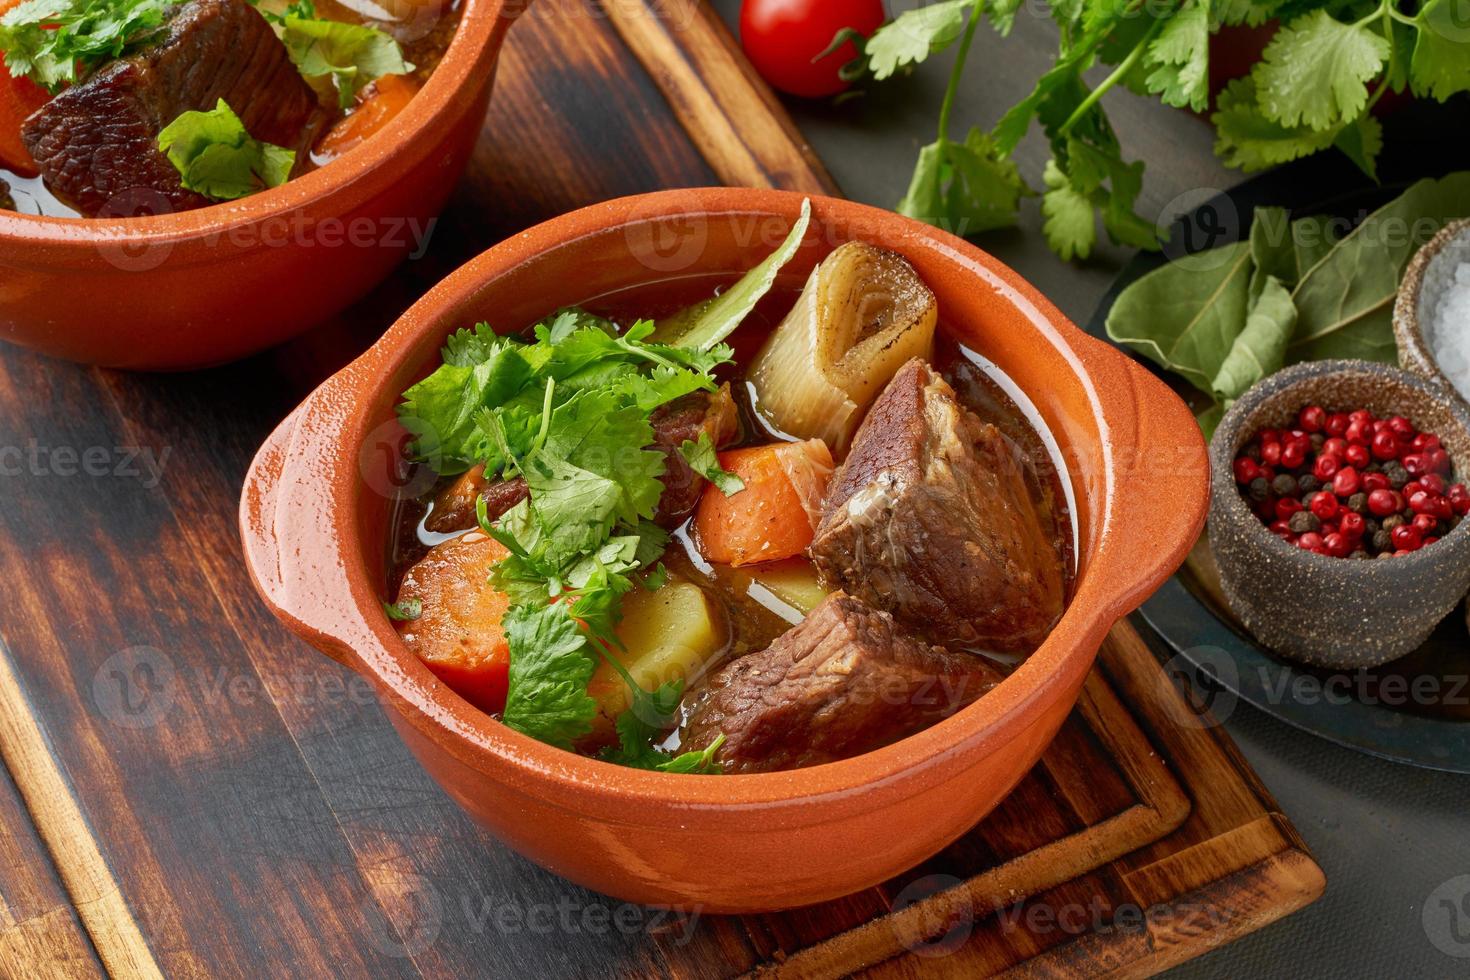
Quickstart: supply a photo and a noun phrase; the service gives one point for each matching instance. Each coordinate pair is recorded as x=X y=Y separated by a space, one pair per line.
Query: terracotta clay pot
x=174 y=291
x=315 y=515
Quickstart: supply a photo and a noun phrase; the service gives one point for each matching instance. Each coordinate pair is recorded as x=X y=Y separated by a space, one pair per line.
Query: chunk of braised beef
x=96 y=143
x=844 y=681
x=685 y=418
x=930 y=518
x=454 y=506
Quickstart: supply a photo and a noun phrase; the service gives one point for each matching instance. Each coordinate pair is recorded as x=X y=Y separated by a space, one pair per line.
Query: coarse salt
x=1449 y=333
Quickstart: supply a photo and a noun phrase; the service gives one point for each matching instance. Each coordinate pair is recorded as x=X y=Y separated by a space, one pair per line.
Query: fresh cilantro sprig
x=54 y=42
x=216 y=157
x=1315 y=86
x=353 y=56
x=700 y=455
x=569 y=411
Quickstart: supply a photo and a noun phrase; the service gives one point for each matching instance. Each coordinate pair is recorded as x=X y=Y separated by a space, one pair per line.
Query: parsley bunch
x=1317 y=81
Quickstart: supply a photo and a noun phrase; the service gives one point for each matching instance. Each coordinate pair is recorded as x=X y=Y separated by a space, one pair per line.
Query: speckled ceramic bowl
x=1334 y=612
x=1429 y=276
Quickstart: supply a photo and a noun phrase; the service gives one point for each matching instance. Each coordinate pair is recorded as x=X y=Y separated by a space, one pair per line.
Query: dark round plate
x=1366 y=710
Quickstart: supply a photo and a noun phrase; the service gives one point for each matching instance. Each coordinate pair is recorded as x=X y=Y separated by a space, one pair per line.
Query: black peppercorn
x=1358 y=503
x=1359 y=555
x=1318 y=441
x=1303 y=522
x=1392 y=521
x=1260 y=490
x=1398 y=477
x=1285 y=485
x=1383 y=542
x=1308 y=484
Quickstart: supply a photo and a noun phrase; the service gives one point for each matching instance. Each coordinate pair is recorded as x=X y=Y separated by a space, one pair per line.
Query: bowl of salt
x=1431 y=316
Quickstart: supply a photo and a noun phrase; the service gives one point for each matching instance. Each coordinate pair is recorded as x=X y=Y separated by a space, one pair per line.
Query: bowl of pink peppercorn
x=1340 y=513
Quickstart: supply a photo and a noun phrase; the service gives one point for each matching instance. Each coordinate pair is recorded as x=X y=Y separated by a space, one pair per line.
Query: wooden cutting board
x=190 y=791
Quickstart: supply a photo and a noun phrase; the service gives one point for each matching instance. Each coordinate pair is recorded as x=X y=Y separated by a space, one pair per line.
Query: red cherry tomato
x=781 y=37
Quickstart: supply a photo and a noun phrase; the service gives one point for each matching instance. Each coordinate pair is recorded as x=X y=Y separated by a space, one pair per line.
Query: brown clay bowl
x=1425 y=282
x=1335 y=612
x=315 y=512
x=176 y=291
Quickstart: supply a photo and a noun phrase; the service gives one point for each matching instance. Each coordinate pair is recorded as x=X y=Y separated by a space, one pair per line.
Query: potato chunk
x=668 y=635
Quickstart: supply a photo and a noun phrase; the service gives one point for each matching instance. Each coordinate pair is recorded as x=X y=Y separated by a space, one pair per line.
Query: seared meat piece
x=846 y=680
x=685 y=418
x=7 y=203
x=930 y=518
x=97 y=140
x=454 y=506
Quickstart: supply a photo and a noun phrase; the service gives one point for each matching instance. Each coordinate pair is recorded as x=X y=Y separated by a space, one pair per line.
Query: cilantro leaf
x=352 y=55
x=966 y=187
x=550 y=667
x=1181 y=55
x=651 y=713
x=593 y=432
x=1246 y=138
x=443 y=410
x=1315 y=71
x=1070 y=227
x=702 y=459
x=54 y=42
x=1440 y=65
x=1362 y=140
x=915 y=34
x=216 y=157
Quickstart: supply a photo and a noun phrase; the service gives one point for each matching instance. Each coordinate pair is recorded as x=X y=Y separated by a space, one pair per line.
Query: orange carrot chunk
x=776 y=515
x=19 y=97
x=459 y=634
x=377 y=106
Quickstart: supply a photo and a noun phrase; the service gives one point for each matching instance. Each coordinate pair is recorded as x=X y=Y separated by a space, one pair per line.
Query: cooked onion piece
x=863 y=313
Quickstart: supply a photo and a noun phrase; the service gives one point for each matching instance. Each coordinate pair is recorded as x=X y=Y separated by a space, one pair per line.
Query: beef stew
x=139 y=107
x=664 y=576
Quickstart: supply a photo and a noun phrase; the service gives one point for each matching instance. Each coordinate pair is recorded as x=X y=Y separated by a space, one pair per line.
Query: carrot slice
x=776 y=515
x=459 y=634
x=19 y=97
x=377 y=106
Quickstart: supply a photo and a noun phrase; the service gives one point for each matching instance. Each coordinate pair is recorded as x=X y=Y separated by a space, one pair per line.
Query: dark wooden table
x=189 y=790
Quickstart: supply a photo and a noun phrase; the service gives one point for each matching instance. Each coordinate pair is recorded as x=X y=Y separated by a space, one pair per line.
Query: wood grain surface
x=192 y=792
